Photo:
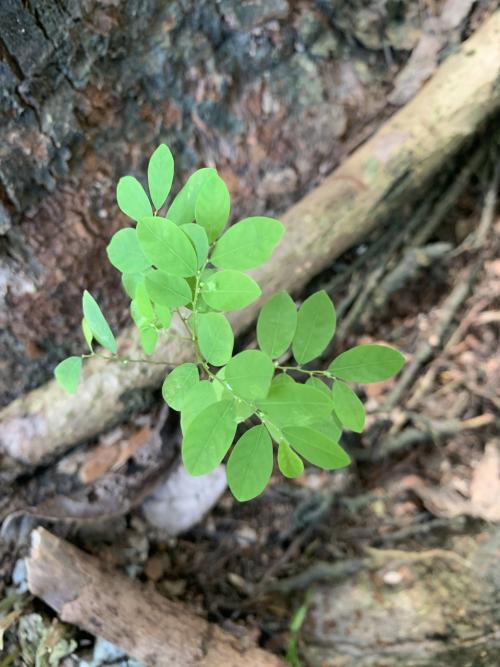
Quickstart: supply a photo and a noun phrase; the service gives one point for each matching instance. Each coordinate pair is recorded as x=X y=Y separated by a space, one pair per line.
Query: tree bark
x=436 y=606
x=391 y=169
x=143 y=623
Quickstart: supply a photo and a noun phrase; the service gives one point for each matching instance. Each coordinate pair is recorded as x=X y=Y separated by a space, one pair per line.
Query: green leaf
x=289 y=463
x=243 y=409
x=208 y=438
x=316 y=447
x=247 y=244
x=367 y=364
x=125 y=253
x=315 y=327
x=97 y=322
x=140 y=321
x=67 y=374
x=148 y=337
x=199 y=240
x=348 y=407
x=167 y=246
x=282 y=378
x=230 y=290
x=143 y=303
x=215 y=338
x=132 y=199
x=331 y=427
x=318 y=384
x=164 y=315
x=167 y=290
x=250 y=465
x=181 y=210
x=249 y=374
x=178 y=383
x=130 y=282
x=276 y=324
x=87 y=333
x=197 y=398
x=212 y=207
x=288 y=404
x=160 y=175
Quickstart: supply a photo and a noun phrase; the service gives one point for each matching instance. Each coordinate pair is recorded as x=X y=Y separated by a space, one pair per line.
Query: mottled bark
x=387 y=173
x=436 y=606
x=140 y=621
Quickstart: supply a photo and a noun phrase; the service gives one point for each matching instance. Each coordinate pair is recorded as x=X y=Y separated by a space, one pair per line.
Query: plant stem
x=299 y=369
x=125 y=360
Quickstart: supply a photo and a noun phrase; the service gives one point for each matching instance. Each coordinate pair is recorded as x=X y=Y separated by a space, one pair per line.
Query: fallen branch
x=141 y=622
x=391 y=169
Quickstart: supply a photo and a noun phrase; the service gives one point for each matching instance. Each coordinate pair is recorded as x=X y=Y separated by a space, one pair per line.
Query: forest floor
x=317 y=568
x=426 y=472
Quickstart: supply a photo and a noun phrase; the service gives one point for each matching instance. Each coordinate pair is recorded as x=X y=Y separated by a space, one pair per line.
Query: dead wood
x=144 y=624
x=390 y=170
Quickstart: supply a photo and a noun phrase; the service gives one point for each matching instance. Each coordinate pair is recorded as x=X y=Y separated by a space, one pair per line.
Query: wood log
x=140 y=621
x=388 y=172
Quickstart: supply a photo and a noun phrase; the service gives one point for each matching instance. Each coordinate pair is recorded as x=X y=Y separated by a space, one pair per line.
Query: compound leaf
x=87 y=333
x=250 y=465
x=367 y=364
x=282 y=378
x=199 y=240
x=289 y=463
x=164 y=315
x=178 y=383
x=319 y=385
x=167 y=246
x=130 y=282
x=97 y=322
x=315 y=327
x=148 y=338
x=243 y=409
x=125 y=253
x=181 y=210
x=212 y=207
x=132 y=199
x=248 y=243
x=167 y=290
x=276 y=324
x=143 y=303
x=209 y=437
x=215 y=337
x=249 y=374
x=331 y=427
x=288 y=404
x=348 y=408
x=230 y=290
x=316 y=447
x=67 y=374
x=160 y=175
x=197 y=398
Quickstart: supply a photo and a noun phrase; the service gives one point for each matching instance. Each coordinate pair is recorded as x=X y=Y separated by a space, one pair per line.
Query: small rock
x=182 y=500
x=392 y=578
x=246 y=535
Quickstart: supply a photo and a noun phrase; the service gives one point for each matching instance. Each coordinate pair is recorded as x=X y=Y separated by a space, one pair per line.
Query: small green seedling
x=183 y=263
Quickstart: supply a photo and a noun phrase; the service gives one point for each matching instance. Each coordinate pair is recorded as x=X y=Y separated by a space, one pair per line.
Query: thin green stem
x=126 y=360
x=201 y=361
x=299 y=369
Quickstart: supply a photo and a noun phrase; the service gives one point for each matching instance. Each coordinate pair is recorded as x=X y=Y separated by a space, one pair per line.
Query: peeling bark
x=141 y=622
